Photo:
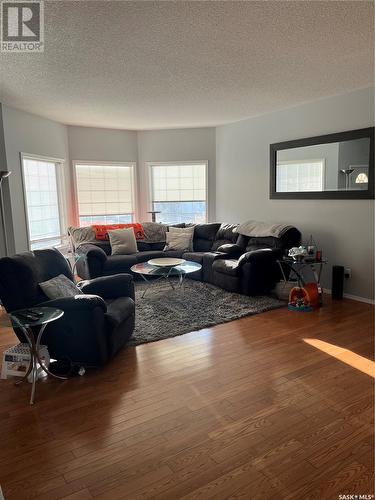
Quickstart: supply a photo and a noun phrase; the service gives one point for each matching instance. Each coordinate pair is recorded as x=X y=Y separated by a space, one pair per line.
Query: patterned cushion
x=59 y=287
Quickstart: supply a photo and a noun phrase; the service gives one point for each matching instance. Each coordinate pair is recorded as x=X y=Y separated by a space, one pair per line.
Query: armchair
x=95 y=325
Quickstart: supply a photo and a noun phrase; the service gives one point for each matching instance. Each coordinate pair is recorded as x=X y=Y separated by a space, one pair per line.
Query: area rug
x=165 y=313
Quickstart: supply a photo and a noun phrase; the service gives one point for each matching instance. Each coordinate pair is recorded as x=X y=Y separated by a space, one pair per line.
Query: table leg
x=147 y=287
x=37 y=345
x=30 y=367
x=34 y=364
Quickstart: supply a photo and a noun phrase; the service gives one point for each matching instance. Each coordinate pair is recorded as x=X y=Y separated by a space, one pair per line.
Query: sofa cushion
x=178 y=241
x=193 y=256
x=118 y=310
x=187 y=231
x=59 y=286
x=122 y=241
x=174 y=254
x=204 y=236
x=154 y=231
x=225 y=235
x=116 y=264
x=151 y=254
x=227 y=266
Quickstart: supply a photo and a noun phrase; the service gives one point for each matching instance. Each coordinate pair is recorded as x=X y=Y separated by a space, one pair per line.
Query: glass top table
x=32 y=322
x=146 y=271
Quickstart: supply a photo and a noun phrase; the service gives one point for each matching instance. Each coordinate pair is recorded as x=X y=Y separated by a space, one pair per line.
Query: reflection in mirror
x=335 y=166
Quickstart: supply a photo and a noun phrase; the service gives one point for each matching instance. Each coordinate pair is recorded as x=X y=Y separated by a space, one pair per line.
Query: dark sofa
x=232 y=261
x=95 y=324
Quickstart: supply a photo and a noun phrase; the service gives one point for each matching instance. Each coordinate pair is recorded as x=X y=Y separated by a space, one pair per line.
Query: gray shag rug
x=165 y=313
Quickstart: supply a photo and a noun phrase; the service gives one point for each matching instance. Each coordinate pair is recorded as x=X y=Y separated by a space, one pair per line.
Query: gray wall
x=353 y=153
x=158 y=145
x=343 y=228
x=7 y=223
x=27 y=133
x=99 y=144
x=177 y=145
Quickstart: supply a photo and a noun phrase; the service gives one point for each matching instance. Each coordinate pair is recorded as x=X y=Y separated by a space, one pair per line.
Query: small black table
x=27 y=326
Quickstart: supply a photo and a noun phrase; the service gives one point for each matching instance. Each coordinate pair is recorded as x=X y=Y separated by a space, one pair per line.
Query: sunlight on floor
x=349 y=357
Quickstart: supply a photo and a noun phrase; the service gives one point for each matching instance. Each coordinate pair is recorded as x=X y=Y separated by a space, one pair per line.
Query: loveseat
x=230 y=260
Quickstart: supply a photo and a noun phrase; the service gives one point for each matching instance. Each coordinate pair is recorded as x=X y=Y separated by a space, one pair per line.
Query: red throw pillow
x=101 y=230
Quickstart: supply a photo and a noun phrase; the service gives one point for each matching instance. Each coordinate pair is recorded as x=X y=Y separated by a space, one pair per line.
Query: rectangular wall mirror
x=334 y=166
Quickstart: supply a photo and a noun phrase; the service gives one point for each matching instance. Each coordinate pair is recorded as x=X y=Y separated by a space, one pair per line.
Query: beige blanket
x=257 y=229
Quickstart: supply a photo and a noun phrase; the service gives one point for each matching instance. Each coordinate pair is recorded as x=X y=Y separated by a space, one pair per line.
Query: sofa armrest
x=261 y=256
x=110 y=287
x=91 y=262
x=231 y=249
x=89 y=249
x=79 y=302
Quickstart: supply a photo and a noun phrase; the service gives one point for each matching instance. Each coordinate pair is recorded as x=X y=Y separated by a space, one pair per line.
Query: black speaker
x=337 y=282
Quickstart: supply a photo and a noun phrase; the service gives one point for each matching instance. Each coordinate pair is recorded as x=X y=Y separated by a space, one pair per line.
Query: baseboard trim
x=352 y=297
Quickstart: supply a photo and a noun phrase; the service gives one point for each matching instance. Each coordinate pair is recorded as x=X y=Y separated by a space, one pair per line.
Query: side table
x=32 y=322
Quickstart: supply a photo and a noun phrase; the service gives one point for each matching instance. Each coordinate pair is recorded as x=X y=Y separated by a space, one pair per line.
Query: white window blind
x=300 y=175
x=43 y=188
x=178 y=191
x=105 y=193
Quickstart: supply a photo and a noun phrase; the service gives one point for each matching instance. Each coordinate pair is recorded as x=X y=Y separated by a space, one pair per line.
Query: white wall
x=27 y=133
x=176 y=145
x=343 y=228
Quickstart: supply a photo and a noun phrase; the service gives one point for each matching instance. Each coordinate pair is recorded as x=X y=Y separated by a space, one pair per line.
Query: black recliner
x=95 y=324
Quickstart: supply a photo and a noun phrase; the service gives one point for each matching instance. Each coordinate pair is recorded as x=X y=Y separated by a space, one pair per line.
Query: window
x=300 y=175
x=44 y=199
x=178 y=192
x=105 y=193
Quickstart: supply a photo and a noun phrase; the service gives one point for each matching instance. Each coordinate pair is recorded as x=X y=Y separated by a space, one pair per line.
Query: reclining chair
x=95 y=324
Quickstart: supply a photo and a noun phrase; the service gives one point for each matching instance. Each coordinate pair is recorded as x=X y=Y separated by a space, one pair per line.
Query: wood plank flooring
x=274 y=406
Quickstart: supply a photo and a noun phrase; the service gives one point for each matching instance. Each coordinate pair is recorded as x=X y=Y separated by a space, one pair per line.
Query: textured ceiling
x=144 y=65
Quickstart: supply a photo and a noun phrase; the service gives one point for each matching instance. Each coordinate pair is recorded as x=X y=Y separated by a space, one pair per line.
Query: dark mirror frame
x=325 y=195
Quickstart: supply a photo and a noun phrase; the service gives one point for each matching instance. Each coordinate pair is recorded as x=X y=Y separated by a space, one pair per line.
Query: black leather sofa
x=95 y=324
x=232 y=261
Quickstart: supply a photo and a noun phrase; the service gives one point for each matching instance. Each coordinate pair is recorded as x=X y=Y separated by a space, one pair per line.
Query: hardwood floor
x=278 y=405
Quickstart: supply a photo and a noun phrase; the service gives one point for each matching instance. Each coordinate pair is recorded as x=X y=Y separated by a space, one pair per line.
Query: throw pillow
x=59 y=287
x=178 y=241
x=122 y=241
x=189 y=231
x=81 y=235
x=154 y=232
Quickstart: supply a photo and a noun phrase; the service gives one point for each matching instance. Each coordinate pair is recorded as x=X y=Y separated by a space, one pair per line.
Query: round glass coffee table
x=180 y=271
